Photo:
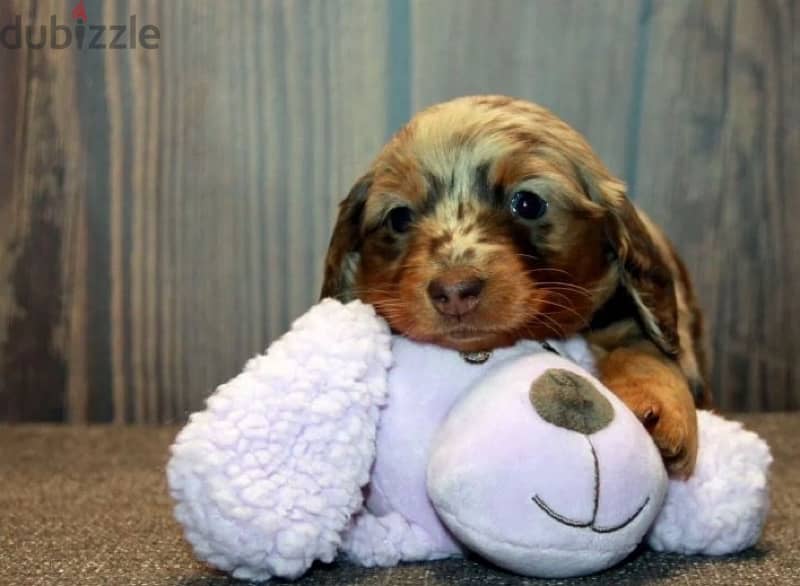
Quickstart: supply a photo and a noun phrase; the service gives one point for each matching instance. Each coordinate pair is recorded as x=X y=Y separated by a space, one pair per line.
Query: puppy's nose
x=455 y=297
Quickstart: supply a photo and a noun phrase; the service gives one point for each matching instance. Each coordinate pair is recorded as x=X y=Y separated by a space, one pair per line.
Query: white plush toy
x=525 y=459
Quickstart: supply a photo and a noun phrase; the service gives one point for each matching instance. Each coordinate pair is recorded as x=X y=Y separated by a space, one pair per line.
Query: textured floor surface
x=88 y=506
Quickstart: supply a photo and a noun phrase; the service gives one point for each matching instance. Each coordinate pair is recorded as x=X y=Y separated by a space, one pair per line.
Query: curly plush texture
x=387 y=540
x=267 y=478
x=722 y=507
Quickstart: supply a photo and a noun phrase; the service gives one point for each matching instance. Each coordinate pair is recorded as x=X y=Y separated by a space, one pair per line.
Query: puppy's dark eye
x=400 y=219
x=528 y=205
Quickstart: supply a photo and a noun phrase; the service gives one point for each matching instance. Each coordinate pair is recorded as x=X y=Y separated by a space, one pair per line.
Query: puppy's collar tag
x=476 y=357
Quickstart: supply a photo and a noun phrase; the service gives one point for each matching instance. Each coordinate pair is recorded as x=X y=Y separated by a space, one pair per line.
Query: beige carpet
x=88 y=506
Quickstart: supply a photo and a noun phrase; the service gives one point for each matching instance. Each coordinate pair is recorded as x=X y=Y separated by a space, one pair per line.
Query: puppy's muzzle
x=455 y=296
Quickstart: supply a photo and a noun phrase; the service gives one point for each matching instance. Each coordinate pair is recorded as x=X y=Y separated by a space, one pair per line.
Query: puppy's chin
x=474 y=341
x=477 y=340
x=471 y=335
x=467 y=337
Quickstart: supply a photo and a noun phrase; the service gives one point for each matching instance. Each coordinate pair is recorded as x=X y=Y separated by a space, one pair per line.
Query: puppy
x=487 y=219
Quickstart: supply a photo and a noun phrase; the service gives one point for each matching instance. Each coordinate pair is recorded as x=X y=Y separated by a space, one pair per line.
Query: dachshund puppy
x=487 y=219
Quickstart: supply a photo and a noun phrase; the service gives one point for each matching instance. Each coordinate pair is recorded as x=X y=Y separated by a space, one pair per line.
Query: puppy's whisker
x=567 y=295
x=550 y=285
x=557 y=285
x=571 y=310
x=556 y=327
x=563 y=296
x=386 y=297
x=546 y=322
x=374 y=290
x=562 y=284
x=395 y=307
x=560 y=294
x=555 y=282
x=544 y=269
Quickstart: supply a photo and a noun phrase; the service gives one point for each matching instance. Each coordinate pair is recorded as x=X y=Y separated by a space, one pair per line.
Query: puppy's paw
x=672 y=426
x=659 y=396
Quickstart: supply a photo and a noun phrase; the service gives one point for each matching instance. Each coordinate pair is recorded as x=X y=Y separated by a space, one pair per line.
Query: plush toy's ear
x=342 y=259
x=644 y=268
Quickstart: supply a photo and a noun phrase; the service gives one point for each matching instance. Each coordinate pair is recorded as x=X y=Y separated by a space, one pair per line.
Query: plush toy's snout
x=574 y=465
x=571 y=401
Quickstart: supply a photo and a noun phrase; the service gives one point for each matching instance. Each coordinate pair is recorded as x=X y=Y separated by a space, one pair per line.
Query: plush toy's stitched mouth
x=591 y=523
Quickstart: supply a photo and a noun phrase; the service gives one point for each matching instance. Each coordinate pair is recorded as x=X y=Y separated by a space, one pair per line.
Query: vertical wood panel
x=41 y=217
x=572 y=56
x=214 y=165
x=12 y=72
x=267 y=99
x=718 y=168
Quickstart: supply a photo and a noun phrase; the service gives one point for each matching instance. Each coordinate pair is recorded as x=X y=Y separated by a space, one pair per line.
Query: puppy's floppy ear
x=645 y=272
x=342 y=259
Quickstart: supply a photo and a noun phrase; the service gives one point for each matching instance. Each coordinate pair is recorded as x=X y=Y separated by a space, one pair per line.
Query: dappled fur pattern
x=591 y=263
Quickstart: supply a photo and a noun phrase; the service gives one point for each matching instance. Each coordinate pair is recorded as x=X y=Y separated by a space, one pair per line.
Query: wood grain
x=164 y=214
x=211 y=168
x=41 y=203
x=573 y=57
x=717 y=166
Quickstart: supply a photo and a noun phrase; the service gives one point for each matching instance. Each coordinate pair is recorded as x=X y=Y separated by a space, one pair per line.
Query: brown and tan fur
x=592 y=264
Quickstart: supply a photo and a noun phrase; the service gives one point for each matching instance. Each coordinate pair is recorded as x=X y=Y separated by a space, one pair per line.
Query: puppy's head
x=486 y=220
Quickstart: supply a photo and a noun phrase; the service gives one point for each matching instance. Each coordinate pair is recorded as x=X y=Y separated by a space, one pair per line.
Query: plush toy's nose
x=568 y=400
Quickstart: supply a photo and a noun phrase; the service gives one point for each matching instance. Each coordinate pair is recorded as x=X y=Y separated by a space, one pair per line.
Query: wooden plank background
x=164 y=213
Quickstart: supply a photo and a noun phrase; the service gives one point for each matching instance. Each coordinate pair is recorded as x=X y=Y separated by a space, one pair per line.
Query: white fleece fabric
x=722 y=507
x=386 y=540
x=269 y=477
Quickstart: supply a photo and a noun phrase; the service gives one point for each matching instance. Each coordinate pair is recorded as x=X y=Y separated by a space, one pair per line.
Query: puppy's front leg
x=654 y=388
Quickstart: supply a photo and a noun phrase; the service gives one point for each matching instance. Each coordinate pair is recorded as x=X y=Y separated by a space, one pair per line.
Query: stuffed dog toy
x=523 y=457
